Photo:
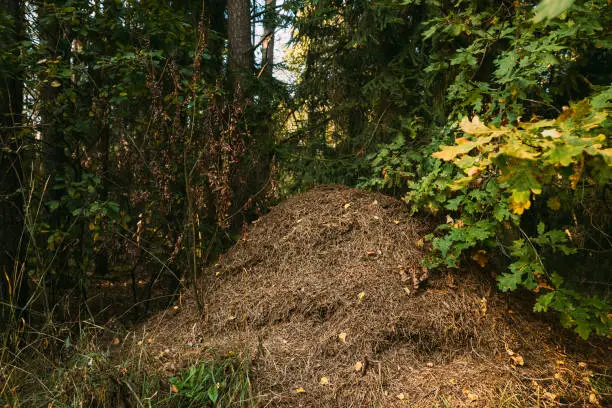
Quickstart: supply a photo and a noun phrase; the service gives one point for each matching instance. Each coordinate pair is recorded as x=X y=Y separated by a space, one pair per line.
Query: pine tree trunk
x=239 y=36
x=268 y=42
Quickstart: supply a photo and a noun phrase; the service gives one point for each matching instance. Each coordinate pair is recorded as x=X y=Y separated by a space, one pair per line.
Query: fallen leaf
x=396 y=221
x=593 y=399
x=299 y=390
x=407 y=290
x=173 y=388
x=483 y=306
x=56 y=84
x=347 y=205
x=481 y=258
x=429 y=364
x=115 y=341
x=175 y=307
x=452 y=381
x=358 y=366
x=342 y=337
x=371 y=252
x=582 y=364
x=401 y=396
x=470 y=395
x=149 y=340
x=550 y=396
x=518 y=360
x=361 y=295
x=324 y=381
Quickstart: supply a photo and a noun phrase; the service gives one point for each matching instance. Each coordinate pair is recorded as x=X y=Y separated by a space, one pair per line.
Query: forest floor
x=324 y=303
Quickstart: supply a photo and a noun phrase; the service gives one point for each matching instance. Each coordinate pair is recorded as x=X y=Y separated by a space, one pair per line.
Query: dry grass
x=327 y=297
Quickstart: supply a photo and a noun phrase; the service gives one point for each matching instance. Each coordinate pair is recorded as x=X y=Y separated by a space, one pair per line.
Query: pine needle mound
x=326 y=296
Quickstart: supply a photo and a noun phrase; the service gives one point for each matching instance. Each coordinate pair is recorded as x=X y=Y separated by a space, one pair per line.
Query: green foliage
x=522 y=184
x=221 y=382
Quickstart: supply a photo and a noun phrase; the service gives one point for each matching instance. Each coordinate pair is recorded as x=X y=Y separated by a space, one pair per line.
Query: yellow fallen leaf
x=593 y=399
x=550 y=396
x=451 y=381
x=140 y=343
x=483 y=306
x=149 y=340
x=324 y=381
x=401 y=396
x=347 y=205
x=396 y=221
x=358 y=366
x=429 y=364
x=582 y=364
x=299 y=390
x=361 y=295
x=481 y=258
x=407 y=290
x=470 y=395
x=342 y=337
x=518 y=360
x=175 y=307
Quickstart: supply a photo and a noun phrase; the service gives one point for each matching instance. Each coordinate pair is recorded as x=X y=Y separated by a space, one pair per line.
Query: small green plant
x=217 y=383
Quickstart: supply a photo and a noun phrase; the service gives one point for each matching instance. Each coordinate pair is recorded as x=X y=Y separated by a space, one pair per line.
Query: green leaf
x=213 y=393
x=549 y=9
x=509 y=281
x=563 y=154
x=53 y=205
x=543 y=302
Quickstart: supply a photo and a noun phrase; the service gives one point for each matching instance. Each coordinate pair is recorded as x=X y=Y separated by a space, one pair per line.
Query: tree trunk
x=13 y=283
x=239 y=36
x=267 y=51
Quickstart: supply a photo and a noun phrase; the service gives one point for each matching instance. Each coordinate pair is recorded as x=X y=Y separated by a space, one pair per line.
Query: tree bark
x=269 y=26
x=239 y=37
